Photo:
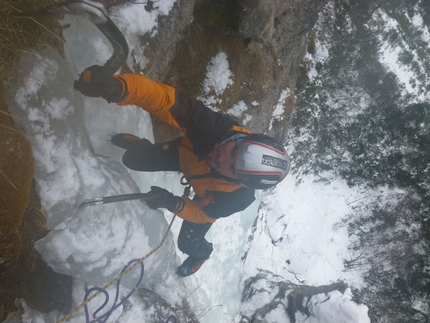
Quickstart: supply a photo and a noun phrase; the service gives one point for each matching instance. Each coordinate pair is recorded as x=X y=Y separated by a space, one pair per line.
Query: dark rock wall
x=265 y=42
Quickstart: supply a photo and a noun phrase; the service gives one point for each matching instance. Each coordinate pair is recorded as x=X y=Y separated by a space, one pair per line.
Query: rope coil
x=125 y=271
x=103 y=318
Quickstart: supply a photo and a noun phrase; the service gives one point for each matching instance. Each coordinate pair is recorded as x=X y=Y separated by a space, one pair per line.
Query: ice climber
x=222 y=161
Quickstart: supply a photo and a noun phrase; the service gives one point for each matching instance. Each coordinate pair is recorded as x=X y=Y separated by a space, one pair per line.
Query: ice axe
x=118 y=198
x=97 y=13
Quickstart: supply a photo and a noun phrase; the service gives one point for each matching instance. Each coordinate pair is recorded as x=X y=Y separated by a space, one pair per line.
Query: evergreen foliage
x=365 y=128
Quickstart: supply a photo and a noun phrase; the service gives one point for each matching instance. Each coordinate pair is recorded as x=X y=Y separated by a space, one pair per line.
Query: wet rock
x=264 y=40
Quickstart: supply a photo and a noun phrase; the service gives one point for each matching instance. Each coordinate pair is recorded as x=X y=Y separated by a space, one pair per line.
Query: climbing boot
x=190 y=266
x=124 y=140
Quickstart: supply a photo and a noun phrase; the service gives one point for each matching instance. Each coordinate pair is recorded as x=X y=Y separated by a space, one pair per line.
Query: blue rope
x=103 y=318
x=171 y=317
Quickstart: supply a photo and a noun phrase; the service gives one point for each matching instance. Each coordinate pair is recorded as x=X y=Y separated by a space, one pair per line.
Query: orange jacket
x=216 y=196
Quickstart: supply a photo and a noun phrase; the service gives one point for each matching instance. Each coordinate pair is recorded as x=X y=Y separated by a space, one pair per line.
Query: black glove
x=158 y=197
x=96 y=82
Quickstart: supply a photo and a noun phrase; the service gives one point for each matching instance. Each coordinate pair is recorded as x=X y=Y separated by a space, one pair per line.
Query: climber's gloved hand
x=91 y=81
x=95 y=82
x=158 y=197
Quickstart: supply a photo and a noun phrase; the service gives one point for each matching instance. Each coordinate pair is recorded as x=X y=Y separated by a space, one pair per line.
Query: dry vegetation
x=22 y=222
x=19 y=34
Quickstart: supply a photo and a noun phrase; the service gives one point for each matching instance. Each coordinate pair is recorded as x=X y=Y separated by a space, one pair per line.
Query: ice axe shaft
x=97 y=13
x=119 y=44
x=117 y=198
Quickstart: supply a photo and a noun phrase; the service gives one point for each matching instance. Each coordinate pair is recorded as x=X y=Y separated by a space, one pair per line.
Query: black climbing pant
x=147 y=157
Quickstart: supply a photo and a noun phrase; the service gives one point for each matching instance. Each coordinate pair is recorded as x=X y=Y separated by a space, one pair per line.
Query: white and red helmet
x=261 y=161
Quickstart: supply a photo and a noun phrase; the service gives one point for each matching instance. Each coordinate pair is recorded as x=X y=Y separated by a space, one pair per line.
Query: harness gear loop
x=187 y=188
x=184 y=180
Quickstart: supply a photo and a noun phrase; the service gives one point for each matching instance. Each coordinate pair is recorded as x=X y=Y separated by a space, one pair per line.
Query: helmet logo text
x=274 y=162
x=265 y=181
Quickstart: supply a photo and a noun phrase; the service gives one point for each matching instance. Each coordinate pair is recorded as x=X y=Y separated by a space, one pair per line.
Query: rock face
x=278 y=34
x=264 y=40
